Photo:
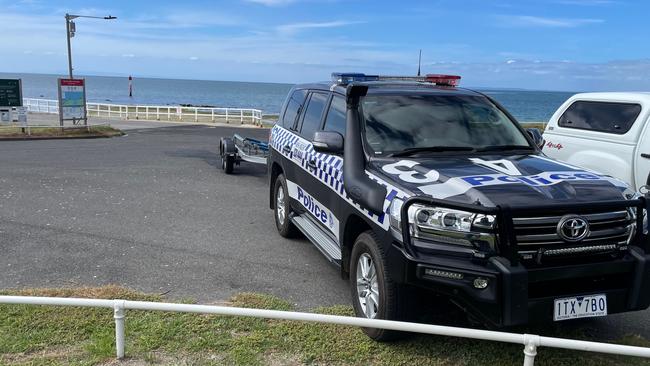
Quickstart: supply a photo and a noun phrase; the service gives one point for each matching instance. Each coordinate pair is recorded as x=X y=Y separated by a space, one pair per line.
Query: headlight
x=633 y=196
x=437 y=218
x=445 y=225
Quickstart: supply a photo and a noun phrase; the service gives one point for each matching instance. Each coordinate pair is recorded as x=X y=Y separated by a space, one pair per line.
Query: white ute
x=605 y=132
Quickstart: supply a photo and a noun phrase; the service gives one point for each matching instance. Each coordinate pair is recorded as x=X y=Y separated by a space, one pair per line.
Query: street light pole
x=67 y=32
x=70 y=29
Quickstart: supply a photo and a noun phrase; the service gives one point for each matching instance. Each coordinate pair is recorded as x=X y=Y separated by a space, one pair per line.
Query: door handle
x=644 y=155
x=286 y=149
x=312 y=164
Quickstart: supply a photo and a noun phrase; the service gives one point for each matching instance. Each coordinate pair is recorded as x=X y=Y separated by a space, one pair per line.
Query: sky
x=572 y=45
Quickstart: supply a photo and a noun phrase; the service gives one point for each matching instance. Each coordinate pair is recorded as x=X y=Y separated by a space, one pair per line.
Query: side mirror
x=537 y=137
x=328 y=142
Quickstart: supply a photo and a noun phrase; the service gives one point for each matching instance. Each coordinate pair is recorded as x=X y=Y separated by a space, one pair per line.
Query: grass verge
x=13 y=132
x=41 y=335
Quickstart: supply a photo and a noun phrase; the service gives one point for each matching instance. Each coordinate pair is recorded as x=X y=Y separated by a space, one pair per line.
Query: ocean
x=525 y=105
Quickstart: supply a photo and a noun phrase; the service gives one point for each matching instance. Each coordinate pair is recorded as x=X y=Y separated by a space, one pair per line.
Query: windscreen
x=394 y=123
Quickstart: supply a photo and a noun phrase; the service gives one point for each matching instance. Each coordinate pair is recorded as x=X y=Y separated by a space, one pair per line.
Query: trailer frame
x=233 y=150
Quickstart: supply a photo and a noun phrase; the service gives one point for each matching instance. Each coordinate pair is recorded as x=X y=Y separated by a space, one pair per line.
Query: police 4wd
x=412 y=183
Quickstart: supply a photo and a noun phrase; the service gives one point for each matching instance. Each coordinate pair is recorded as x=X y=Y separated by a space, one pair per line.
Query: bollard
x=118 y=315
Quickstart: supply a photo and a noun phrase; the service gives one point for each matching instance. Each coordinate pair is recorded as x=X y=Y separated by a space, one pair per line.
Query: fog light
x=445 y=274
x=481 y=283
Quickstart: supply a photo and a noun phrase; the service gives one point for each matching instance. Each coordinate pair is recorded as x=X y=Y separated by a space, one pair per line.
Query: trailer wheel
x=227 y=151
x=228 y=164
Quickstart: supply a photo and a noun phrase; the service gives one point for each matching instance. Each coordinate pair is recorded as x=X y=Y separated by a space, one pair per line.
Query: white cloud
x=193 y=58
x=189 y=19
x=535 y=21
x=128 y=55
x=296 y=27
x=271 y=2
x=586 y=2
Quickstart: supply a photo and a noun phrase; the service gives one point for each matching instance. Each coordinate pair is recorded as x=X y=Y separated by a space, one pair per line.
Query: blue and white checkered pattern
x=329 y=170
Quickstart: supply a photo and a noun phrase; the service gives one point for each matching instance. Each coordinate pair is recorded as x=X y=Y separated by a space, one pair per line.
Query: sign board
x=11 y=93
x=5 y=115
x=22 y=116
x=72 y=100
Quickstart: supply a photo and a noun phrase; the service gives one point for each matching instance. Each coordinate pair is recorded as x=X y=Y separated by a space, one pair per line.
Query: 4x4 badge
x=572 y=228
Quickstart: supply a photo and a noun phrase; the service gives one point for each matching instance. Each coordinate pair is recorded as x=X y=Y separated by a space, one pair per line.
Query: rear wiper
x=415 y=150
x=504 y=148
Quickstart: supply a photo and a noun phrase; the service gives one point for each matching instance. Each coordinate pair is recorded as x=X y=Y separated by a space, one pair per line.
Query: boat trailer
x=234 y=150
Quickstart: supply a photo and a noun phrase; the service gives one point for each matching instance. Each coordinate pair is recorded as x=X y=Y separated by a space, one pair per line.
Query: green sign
x=10 y=93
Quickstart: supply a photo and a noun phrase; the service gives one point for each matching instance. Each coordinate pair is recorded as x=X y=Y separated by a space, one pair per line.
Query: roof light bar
x=447 y=80
x=343 y=78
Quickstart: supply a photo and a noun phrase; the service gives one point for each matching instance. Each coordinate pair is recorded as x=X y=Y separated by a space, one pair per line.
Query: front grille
x=608 y=231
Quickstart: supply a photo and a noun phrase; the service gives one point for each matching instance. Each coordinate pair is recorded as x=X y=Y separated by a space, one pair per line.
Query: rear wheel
x=282 y=208
x=374 y=295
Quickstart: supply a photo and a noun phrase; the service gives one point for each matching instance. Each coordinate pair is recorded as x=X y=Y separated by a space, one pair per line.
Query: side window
x=609 y=117
x=313 y=115
x=335 y=120
x=293 y=107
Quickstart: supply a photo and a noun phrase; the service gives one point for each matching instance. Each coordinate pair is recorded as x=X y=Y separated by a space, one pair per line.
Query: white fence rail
x=154 y=112
x=529 y=341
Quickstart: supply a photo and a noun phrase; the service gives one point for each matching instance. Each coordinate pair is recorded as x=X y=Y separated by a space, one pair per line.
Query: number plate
x=587 y=306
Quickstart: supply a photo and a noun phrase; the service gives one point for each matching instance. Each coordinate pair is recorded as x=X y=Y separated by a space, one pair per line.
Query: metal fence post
x=118 y=315
x=531 y=342
x=227 y=115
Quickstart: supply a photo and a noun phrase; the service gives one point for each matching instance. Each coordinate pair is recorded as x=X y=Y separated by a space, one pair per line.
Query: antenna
x=419 y=62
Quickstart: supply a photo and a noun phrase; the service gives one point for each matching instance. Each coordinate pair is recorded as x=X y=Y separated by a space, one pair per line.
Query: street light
x=71 y=29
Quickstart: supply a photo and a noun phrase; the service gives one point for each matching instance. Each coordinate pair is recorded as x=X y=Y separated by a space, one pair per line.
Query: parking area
x=153 y=211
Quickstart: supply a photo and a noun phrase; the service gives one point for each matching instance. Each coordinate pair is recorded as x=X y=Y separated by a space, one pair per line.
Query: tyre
x=282 y=208
x=226 y=150
x=374 y=295
x=227 y=163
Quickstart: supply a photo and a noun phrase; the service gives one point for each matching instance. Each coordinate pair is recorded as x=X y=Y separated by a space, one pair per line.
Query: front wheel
x=374 y=295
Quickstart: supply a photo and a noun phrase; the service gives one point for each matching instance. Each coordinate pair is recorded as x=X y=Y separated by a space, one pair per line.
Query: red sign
x=72 y=82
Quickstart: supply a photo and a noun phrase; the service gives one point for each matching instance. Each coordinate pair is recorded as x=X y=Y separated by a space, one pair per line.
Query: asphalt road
x=153 y=211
